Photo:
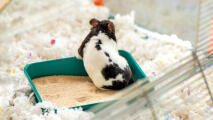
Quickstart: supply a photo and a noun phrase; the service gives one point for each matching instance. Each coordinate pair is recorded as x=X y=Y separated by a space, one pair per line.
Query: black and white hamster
x=104 y=65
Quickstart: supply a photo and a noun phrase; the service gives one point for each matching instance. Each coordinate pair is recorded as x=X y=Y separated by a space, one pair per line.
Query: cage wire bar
x=182 y=90
x=204 y=28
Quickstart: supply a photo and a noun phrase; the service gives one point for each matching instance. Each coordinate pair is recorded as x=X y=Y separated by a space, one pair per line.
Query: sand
x=70 y=91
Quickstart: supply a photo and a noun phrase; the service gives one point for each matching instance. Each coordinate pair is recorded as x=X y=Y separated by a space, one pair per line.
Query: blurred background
x=180 y=75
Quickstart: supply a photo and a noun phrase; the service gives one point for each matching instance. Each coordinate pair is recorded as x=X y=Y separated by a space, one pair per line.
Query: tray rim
x=86 y=106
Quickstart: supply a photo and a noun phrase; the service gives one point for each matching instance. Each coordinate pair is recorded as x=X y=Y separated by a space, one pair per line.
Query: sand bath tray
x=65 y=71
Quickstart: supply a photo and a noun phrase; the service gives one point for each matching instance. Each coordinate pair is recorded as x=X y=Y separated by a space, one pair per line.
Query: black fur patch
x=112 y=70
x=117 y=85
x=107 y=54
x=99 y=42
x=110 y=60
x=98 y=45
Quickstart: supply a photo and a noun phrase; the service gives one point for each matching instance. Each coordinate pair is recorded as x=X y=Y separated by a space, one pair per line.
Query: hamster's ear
x=111 y=27
x=94 y=22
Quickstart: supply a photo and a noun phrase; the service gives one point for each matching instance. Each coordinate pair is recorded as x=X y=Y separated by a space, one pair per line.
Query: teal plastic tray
x=72 y=66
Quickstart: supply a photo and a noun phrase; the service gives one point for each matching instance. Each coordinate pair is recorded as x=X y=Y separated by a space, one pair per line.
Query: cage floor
x=59 y=36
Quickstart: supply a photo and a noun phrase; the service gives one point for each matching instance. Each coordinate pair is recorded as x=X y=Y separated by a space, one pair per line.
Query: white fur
x=95 y=61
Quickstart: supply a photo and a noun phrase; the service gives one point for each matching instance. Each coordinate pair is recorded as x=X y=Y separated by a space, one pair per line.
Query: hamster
x=104 y=65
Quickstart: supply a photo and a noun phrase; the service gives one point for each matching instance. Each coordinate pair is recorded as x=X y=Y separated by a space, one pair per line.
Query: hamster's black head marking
x=105 y=26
